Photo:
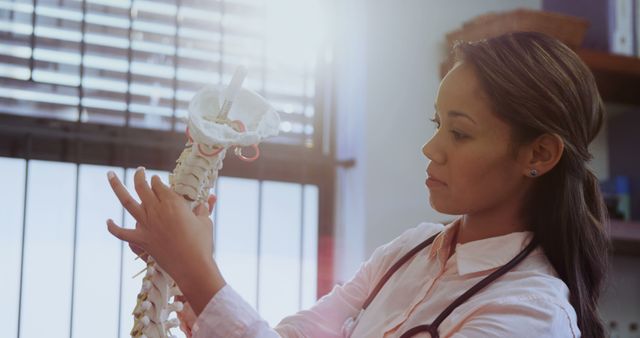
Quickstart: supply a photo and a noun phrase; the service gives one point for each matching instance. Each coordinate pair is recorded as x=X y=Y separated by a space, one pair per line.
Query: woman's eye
x=458 y=135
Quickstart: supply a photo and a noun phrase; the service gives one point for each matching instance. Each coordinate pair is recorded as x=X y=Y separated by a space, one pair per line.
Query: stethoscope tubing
x=432 y=328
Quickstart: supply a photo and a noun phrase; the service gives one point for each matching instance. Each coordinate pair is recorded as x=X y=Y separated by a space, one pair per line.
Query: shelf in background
x=626 y=237
x=618 y=76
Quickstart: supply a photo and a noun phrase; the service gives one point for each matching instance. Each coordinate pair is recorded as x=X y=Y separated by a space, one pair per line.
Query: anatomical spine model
x=213 y=127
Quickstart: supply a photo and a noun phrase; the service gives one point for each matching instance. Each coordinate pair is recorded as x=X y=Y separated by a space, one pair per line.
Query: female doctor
x=525 y=258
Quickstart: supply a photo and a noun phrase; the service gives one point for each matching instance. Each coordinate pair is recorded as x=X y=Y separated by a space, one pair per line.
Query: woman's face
x=472 y=166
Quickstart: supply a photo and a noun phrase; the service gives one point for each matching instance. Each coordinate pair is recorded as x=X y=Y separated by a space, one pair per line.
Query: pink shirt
x=528 y=301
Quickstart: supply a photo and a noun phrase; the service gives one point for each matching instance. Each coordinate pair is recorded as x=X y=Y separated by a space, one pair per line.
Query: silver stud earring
x=533 y=173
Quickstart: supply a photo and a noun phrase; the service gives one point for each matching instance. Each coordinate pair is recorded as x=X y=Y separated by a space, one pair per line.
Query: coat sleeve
x=531 y=318
x=228 y=315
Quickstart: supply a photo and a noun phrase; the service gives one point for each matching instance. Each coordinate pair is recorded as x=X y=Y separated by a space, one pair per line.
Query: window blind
x=137 y=63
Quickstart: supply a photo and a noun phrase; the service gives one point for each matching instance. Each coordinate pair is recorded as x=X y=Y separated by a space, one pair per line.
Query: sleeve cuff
x=227 y=315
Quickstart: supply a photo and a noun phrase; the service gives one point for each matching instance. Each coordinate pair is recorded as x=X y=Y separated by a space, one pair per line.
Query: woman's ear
x=543 y=154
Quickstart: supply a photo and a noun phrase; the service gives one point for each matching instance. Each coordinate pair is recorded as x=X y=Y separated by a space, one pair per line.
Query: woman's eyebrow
x=454 y=113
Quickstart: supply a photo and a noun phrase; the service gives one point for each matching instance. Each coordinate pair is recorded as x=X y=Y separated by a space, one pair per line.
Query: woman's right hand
x=187 y=317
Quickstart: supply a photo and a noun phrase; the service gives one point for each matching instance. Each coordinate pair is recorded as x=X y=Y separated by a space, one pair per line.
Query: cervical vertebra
x=218 y=120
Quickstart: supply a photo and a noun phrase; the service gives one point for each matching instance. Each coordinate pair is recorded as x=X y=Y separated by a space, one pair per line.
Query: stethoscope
x=432 y=328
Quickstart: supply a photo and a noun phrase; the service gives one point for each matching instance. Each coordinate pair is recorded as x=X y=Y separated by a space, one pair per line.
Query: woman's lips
x=433 y=182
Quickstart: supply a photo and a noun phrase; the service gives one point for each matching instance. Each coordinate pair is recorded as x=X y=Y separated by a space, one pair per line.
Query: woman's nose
x=431 y=151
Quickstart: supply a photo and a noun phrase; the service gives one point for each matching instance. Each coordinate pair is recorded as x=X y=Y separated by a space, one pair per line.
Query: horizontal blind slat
x=174 y=50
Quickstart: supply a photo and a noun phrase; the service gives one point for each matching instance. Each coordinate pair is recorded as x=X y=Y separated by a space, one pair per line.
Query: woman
x=514 y=118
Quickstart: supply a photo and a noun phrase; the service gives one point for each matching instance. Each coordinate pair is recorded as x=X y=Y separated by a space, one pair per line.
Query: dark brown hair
x=538 y=85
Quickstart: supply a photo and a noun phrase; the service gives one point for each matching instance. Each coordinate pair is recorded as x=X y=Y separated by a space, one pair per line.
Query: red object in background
x=325 y=265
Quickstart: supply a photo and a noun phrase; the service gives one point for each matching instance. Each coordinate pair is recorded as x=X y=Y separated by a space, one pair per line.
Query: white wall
x=387 y=64
x=387 y=57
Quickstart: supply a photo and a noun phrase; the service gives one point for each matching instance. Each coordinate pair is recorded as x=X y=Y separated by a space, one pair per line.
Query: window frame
x=42 y=138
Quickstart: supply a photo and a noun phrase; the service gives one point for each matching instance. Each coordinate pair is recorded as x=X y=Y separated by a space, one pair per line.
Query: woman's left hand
x=179 y=239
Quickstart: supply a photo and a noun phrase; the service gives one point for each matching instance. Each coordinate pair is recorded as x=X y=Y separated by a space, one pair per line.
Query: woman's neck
x=490 y=223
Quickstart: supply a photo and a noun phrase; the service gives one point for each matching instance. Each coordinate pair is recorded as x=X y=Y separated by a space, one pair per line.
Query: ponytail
x=538 y=85
x=568 y=220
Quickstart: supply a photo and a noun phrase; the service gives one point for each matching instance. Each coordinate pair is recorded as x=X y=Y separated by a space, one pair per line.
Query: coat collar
x=480 y=255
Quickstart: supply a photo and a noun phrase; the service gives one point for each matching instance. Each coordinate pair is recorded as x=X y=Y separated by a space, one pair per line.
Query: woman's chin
x=443 y=207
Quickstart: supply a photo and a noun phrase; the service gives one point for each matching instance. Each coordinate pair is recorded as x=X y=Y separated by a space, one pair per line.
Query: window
x=58 y=255
x=139 y=62
x=96 y=85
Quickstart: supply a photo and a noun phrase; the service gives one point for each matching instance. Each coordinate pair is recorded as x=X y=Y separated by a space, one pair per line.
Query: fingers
x=186 y=316
x=161 y=190
x=205 y=209
x=201 y=210
x=127 y=201
x=212 y=202
x=184 y=328
x=138 y=251
x=147 y=196
x=127 y=235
